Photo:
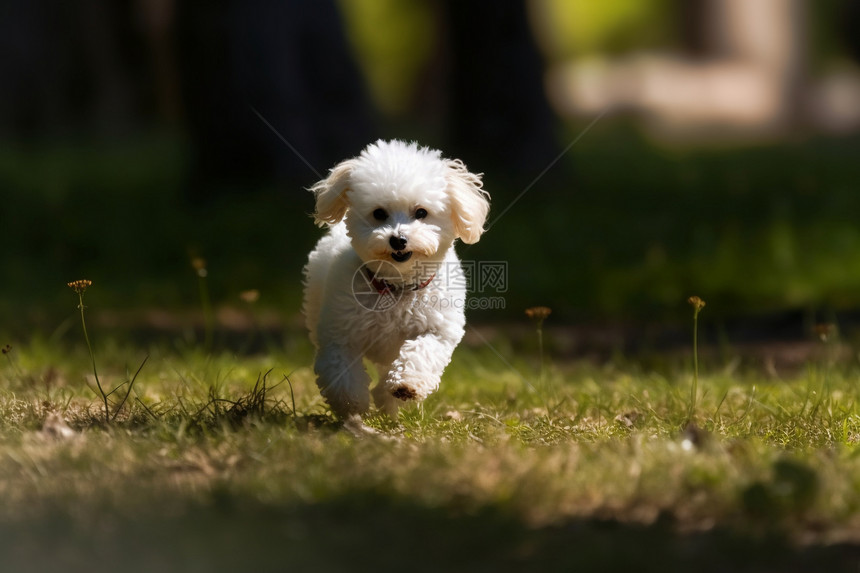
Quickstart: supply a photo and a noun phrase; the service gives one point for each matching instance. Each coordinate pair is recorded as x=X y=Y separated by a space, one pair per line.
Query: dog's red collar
x=420 y=286
x=382 y=286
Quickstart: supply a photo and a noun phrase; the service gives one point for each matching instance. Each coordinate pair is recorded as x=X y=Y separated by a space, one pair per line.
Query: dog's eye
x=420 y=213
x=380 y=215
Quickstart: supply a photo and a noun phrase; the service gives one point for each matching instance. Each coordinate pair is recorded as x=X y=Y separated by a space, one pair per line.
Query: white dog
x=385 y=282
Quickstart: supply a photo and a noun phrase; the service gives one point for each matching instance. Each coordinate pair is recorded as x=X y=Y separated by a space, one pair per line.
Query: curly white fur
x=385 y=283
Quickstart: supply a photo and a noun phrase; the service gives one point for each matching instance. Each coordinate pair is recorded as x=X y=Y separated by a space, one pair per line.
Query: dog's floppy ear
x=469 y=202
x=330 y=193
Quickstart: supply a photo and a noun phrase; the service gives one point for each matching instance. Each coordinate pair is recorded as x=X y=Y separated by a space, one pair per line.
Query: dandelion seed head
x=825 y=331
x=538 y=312
x=80 y=286
x=250 y=296
x=199 y=265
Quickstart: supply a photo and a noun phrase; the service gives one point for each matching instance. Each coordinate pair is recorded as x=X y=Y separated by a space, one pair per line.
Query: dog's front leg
x=416 y=372
x=342 y=380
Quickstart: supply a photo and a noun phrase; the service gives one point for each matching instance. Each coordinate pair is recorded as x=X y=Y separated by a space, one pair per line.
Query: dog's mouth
x=400 y=256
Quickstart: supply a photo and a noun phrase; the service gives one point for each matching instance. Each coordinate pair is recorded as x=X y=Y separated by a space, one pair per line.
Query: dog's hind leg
x=342 y=380
x=382 y=397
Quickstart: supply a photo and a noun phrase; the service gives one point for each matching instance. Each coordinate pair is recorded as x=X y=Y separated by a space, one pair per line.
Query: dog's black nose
x=397 y=243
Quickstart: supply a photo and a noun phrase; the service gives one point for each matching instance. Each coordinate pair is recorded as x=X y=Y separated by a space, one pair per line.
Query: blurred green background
x=135 y=137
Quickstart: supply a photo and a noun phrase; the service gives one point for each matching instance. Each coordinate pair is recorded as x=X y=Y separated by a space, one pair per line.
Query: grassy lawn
x=223 y=457
x=224 y=462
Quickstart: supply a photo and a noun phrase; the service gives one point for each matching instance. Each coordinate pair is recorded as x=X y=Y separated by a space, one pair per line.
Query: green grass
x=225 y=462
x=228 y=460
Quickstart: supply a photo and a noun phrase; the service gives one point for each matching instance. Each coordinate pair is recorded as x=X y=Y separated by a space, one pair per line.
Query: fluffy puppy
x=385 y=283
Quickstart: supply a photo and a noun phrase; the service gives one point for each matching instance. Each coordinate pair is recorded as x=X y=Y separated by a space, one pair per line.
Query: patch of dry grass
x=209 y=434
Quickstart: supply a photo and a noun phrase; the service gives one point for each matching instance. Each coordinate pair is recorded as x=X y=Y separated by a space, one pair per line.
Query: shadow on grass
x=369 y=532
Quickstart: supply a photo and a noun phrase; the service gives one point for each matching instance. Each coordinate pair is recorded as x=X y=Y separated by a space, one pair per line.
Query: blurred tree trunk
x=767 y=34
x=498 y=113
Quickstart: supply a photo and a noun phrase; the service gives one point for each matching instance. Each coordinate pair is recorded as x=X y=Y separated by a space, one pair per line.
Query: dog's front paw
x=404 y=393
x=412 y=385
x=402 y=387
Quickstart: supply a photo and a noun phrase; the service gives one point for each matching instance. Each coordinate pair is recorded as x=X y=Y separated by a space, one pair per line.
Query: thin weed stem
x=199 y=265
x=292 y=395
x=207 y=313
x=7 y=352
x=104 y=395
x=539 y=314
x=130 y=387
x=698 y=304
x=80 y=286
x=695 y=389
x=540 y=354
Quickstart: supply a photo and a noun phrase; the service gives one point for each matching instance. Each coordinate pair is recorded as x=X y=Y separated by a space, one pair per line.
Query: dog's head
x=403 y=203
